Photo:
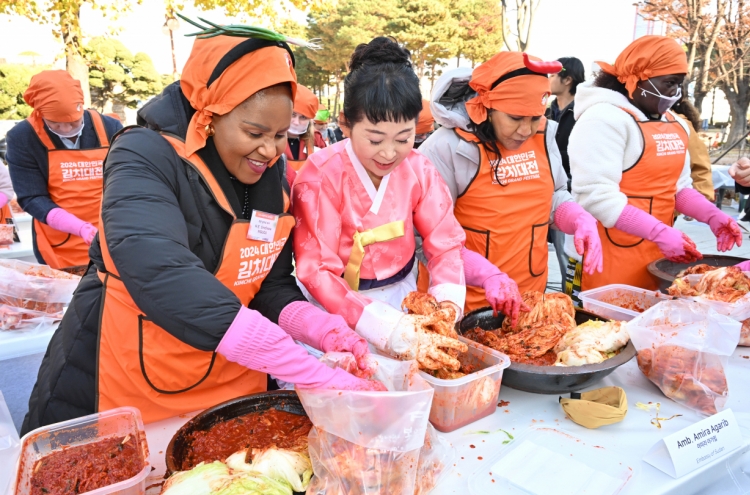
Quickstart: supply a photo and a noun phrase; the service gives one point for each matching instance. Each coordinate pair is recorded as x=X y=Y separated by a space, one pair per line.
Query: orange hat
x=55 y=95
x=425 y=122
x=305 y=103
x=647 y=57
x=522 y=87
x=211 y=94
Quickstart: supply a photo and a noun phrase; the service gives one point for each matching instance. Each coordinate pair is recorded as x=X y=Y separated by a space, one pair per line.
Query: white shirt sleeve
x=561 y=194
x=6 y=186
x=598 y=148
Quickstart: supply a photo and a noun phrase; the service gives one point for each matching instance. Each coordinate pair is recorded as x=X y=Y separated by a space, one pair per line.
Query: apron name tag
x=262 y=226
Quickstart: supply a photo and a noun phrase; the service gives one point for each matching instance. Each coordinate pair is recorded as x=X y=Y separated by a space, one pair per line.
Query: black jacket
x=565 y=122
x=158 y=214
x=29 y=166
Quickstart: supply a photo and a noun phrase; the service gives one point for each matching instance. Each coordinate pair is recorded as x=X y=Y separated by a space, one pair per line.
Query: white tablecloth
x=631 y=438
x=721 y=177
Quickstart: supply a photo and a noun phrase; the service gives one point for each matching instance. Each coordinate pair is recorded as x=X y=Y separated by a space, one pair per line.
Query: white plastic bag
x=32 y=295
x=10 y=446
x=738 y=310
x=375 y=442
x=683 y=348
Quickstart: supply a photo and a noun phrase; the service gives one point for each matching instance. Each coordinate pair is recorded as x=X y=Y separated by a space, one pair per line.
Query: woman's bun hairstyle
x=381 y=84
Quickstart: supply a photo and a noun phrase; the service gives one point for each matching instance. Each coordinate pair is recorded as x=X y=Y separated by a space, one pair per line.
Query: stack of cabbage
x=272 y=472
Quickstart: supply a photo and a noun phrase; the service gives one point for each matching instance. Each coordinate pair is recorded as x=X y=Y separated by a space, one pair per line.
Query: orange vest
x=6 y=217
x=296 y=164
x=74 y=184
x=651 y=185
x=142 y=365
x=505 y=213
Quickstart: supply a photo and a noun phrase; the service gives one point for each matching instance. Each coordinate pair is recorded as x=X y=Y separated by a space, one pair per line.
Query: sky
x=588 y=29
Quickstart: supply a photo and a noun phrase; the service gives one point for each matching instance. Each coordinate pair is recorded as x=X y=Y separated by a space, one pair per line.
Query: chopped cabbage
x=284 y=465
x=255 y=484
x=203 y=479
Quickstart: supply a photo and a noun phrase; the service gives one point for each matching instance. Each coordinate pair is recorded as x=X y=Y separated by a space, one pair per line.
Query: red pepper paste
x=84 y=468
x=259 y=430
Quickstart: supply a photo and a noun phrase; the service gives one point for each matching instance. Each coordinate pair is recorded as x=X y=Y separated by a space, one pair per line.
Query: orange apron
x=651 y=185
x=296 y=164
x=6 y=217
x=505 y=213
x=74 y=184
x=142 y=365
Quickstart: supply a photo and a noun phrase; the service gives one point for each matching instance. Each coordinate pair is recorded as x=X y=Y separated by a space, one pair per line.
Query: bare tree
x=697 y=24
x=525 y=11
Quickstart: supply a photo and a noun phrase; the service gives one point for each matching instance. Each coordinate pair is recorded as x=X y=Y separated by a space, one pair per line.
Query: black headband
x=247 y=46
x=523 y=71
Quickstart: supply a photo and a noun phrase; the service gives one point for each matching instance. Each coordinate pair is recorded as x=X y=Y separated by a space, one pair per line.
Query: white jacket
x=6 y=187
x=457 y=160
x=606 y=141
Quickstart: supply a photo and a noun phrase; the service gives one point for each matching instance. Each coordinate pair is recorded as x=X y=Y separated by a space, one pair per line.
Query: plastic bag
x=375 y=442
x=32 y=295
x=10 y=446
x=738 y=310
x=683 y=348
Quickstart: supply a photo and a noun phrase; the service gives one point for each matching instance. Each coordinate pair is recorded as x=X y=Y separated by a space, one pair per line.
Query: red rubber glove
x=256 y=343
x=674 y=245
x=325 y=332
x=500 y=291
x=692 y=203
x=744 y=266
x=572 y=219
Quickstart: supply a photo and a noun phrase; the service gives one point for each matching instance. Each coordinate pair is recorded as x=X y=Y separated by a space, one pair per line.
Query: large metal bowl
x=283 y=400
x=666 y=271
x=548 y=379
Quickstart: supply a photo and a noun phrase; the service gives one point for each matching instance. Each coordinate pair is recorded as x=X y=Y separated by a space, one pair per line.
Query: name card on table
x=697 y=445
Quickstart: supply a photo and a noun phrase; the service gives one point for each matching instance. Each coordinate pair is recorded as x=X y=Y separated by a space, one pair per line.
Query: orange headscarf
x=647 y=57
x=305 y=103
x=249 y=74
x=54 y=95
x=425 y=122
x=524 y=95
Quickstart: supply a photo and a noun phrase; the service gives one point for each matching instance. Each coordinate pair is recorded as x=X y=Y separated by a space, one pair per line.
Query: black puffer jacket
x=165 y=233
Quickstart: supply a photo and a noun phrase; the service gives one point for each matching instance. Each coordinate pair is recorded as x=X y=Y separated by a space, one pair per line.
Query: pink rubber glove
x=500 y=291
x=692 y=203
x=744 y=266
x=326 y=332
x=675 y=245
x=254 y=342
x=63 y=221
x=3 y=200
x=572 y=219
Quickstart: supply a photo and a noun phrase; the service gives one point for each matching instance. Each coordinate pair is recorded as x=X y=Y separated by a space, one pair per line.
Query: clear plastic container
x=118 y=422
x=620 y=302
x=458 y=402
x=6 y=234
x=569 y=467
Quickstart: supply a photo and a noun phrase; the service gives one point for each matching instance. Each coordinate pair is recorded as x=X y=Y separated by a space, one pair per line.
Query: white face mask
x=298 y=129
x=665 y=102
x=68 y=135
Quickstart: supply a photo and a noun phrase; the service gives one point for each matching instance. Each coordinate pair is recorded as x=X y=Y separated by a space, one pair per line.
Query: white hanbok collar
x=376 y=195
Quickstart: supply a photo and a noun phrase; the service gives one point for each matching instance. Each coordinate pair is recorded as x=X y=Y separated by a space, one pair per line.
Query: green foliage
x=14 y=79
x=480 y=29
x=427 y=29
x=115 y=74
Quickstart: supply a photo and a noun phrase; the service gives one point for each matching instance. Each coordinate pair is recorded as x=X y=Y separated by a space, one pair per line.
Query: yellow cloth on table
x=382 y=233
x=600 y=407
